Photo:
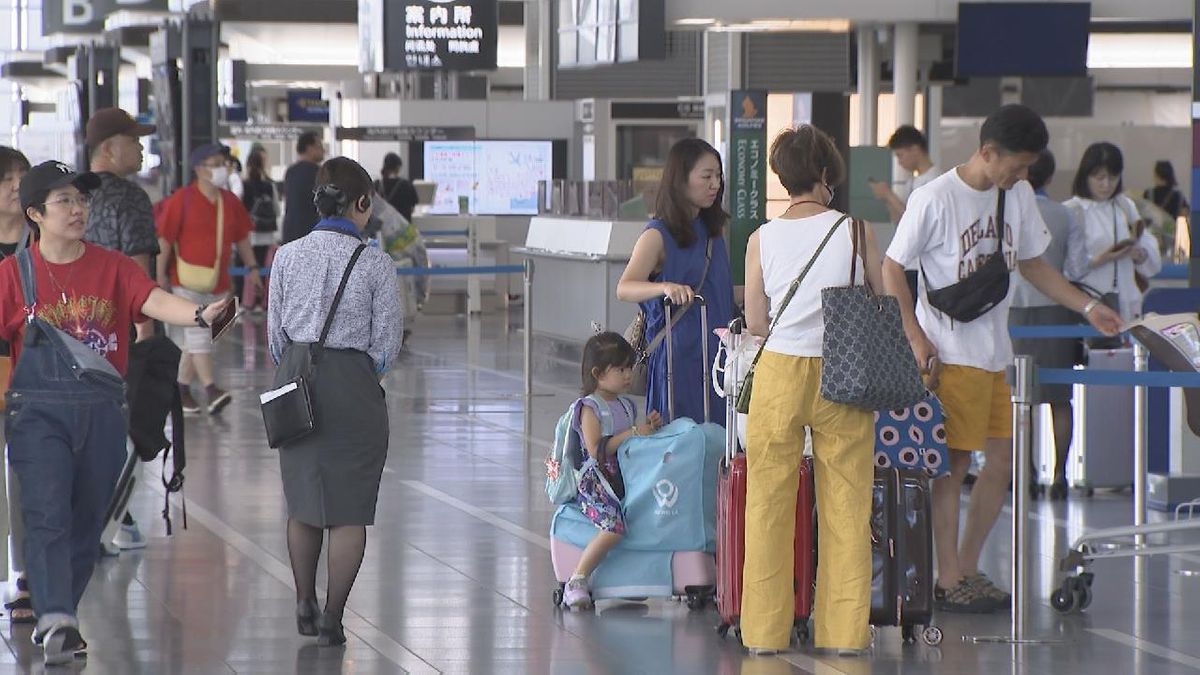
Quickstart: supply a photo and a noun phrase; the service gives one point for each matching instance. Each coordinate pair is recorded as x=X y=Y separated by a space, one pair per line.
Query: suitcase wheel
x=698 y=596
x=802 y=633
x=932 y=635
x=723 y=630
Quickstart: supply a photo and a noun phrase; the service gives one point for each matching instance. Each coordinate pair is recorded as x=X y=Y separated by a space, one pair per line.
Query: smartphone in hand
x=228 y=316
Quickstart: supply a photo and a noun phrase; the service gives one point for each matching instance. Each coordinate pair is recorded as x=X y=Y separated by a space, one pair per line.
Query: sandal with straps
x=20 y=608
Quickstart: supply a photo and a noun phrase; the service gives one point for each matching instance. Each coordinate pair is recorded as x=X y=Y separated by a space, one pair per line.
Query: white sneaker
x=128 y=538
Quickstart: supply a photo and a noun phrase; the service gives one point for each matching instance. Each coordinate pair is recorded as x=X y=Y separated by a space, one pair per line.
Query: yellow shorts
x=978 y=406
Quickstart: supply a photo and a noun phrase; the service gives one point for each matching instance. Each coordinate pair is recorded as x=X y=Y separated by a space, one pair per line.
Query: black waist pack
x=983 y=289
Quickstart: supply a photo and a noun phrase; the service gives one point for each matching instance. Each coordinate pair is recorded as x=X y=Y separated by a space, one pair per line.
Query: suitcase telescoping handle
x=730 y=385
x=668 y=308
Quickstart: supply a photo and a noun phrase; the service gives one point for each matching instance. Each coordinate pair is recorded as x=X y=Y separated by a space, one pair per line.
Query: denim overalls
x=66 y=427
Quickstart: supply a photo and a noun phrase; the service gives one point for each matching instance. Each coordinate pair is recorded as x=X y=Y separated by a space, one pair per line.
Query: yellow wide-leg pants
x=786 y=399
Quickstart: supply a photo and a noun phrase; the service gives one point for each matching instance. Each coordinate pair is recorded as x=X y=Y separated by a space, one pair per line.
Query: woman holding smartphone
x=1117 y=244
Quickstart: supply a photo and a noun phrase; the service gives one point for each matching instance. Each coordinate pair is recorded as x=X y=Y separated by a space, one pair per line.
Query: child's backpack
x=566 y=459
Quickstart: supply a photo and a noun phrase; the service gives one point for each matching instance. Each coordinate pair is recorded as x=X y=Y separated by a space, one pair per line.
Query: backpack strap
x=178 y=462
x=28 y=283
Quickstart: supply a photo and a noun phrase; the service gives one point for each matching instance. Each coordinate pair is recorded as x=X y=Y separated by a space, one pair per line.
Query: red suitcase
x=731 y=523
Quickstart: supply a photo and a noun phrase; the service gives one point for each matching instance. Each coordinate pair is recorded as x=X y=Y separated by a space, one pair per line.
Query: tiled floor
x=458 y=579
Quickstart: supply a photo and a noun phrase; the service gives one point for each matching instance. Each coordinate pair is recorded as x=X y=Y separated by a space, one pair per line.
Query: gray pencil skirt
x=331 y=477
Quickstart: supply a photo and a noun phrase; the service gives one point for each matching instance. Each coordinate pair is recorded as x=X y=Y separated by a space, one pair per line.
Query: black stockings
x=347 y=544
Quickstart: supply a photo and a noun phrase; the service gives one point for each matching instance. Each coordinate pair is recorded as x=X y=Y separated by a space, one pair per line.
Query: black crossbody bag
x=983 y=289
x=287 y=410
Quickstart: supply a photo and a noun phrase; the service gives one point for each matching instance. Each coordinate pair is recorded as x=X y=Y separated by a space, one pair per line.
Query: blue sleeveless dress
x=686 y=266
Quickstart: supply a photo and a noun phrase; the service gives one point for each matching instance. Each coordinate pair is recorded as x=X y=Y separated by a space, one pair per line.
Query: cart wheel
x=1062 y=601
x=908 y=633
x=932 y=635
x=1083 y=596
x=558 y=597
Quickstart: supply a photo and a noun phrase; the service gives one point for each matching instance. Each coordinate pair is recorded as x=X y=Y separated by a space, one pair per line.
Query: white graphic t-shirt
x=949 y=230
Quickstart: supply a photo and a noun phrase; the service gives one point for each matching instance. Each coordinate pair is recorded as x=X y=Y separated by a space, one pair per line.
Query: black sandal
x=20 y=610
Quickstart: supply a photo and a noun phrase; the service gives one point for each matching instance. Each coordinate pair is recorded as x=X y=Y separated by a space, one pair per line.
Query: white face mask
x=220 y=176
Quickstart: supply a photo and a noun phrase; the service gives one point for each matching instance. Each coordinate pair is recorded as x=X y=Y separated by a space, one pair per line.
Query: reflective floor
x=458 y=577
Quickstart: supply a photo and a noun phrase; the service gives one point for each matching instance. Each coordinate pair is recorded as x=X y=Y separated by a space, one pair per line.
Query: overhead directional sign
x=87 y=16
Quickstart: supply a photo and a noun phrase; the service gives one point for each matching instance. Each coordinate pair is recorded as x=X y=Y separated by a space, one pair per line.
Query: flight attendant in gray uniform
x=331 y=476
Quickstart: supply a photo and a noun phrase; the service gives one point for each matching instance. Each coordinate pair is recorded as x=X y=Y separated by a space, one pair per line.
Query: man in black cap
x=121 y=219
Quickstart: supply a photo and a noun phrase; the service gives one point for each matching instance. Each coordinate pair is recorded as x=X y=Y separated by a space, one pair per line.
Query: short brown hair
x=672 y=207
x=804 y=157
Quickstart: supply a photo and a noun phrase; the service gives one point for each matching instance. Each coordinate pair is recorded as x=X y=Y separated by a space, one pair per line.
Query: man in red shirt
x=196 y=228
x=66 y=421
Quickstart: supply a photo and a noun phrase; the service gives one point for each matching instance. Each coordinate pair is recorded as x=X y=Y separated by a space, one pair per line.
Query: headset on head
x=331 y=201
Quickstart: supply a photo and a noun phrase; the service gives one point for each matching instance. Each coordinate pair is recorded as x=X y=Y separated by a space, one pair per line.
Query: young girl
x=607 y=374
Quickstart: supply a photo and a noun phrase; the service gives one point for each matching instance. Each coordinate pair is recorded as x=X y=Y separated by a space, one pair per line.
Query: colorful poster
x=747 y=174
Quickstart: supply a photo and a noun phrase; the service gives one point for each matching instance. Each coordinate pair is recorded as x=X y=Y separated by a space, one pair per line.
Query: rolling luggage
x=731 y=520
x=902 y=554
x=1102 y=447
x=669 y=503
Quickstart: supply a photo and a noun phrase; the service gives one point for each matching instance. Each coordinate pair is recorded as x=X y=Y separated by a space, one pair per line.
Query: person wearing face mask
x=682 y=254
x=196 y=227
x=787 y=400
x=966 y=253
x=1117 y=244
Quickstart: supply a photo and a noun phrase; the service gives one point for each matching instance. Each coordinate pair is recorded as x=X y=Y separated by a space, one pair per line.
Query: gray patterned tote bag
x=866 y=359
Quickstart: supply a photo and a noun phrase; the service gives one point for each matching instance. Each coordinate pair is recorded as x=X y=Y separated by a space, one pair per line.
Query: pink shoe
x=577 y=595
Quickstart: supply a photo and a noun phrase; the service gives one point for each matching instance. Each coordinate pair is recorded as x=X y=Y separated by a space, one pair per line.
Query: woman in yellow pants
x=786 y=400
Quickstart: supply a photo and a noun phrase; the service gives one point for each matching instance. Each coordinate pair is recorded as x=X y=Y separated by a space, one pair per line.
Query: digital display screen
x=496 y=177
x=1028 y=39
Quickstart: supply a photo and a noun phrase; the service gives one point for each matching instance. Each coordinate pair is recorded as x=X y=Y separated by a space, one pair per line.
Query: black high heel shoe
x=1059 y=491
x=307 y=612
x=330 y=631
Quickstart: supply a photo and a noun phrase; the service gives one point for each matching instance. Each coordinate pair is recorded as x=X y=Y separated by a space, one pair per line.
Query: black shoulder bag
x=287 y=410
x=983 y=289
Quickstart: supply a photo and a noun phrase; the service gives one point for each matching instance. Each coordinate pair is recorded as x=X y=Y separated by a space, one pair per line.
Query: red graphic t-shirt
x=188 y=221
x=104 y=292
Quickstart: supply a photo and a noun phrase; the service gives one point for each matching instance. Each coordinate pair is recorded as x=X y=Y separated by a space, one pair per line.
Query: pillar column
x=868 y=86
x=904 y=72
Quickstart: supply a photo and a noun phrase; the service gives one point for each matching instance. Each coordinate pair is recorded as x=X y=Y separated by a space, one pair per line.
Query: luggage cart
x=1175 y=341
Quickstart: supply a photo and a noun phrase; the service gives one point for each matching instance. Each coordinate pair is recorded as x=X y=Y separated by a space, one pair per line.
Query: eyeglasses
x=82 y=201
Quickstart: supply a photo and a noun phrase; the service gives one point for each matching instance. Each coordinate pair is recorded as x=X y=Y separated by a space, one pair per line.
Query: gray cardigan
x=304 y=278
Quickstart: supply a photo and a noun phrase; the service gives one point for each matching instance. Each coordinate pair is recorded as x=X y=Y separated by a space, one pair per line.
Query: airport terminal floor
x=458 y=577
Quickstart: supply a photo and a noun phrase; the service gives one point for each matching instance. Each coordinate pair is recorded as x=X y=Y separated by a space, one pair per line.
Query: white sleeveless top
x=786 y=246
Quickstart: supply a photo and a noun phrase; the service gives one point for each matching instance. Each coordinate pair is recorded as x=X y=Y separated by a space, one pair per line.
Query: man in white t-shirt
x=949 y=230
x=911 y=149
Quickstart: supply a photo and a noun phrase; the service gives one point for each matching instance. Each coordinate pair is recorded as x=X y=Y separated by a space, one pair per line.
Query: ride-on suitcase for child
x=639 y=567
x=902 y=554
x=731 y=520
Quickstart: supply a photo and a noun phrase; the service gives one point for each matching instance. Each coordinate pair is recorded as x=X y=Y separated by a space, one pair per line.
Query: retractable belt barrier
x=525 y=269
x=1074 y=592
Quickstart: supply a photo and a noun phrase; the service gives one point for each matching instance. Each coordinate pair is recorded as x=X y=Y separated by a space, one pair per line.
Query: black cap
x=41 y=179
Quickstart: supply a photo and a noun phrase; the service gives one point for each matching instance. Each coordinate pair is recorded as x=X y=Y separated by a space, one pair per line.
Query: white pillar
x=904 y=72
x=868 y=86
x=538 y=59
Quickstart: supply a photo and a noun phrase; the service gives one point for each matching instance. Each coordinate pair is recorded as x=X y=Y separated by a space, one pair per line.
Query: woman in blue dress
x=682 y=254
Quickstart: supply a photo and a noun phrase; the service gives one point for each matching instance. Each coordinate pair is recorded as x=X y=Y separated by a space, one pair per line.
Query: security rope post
x=1023 y=379
x=528 y=345
x=1140 y=451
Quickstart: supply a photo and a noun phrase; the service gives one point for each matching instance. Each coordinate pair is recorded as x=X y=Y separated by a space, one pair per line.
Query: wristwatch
x=200 y=316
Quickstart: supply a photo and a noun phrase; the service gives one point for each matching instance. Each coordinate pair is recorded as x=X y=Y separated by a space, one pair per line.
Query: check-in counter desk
x=468 y=241
x=577 y=263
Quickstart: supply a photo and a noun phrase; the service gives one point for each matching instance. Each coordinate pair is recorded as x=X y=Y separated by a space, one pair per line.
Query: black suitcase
x=902 y=554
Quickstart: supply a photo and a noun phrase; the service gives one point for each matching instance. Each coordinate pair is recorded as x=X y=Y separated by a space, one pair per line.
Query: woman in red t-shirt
x=66 y=428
